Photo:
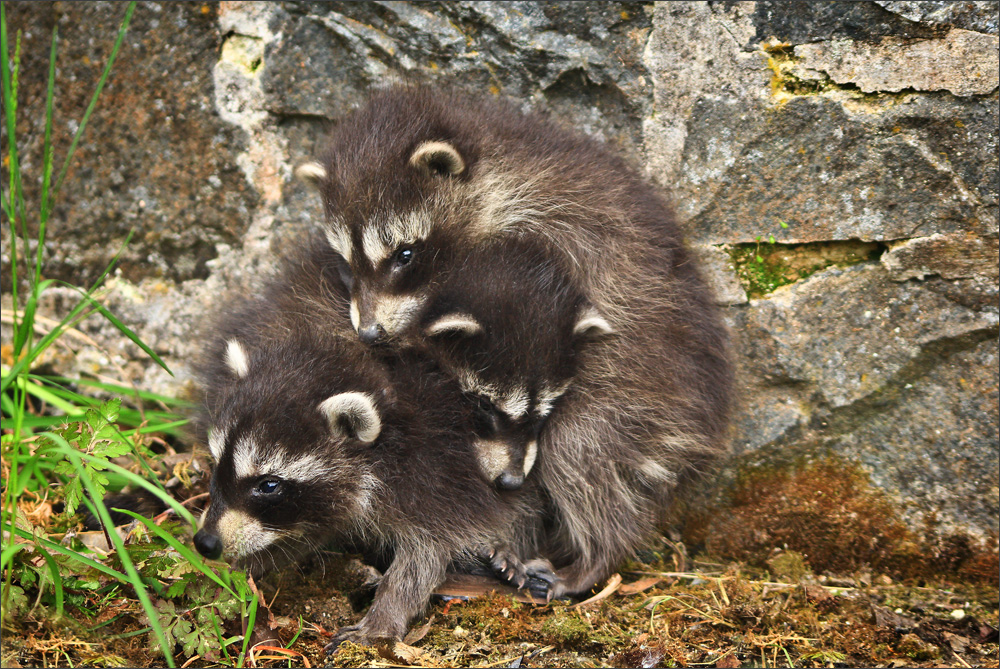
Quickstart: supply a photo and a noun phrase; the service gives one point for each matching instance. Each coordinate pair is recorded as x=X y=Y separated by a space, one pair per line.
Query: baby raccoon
x=418 y=177
x=310 y=449
x=509 y=333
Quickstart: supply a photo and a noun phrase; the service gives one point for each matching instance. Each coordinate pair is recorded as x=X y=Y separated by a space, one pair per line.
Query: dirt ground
x=721 y=615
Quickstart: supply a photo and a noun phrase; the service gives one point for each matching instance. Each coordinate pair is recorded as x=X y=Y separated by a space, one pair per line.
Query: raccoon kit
x=318 y=439
x=310 y=449
x=417 y=178
x=509 y=333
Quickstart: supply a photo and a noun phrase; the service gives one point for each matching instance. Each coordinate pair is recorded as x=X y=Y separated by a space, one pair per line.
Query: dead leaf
x=415 y=635
x=729 y=662
x=817 y=594
x=641 y=585
x=405 y=653
x=280 y=653
x=958 y=643
x=640 y=656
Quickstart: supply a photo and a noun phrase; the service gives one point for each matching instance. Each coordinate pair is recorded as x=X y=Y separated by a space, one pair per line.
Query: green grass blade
x=93 y=99
x=251 y=621
x=46 y=395
x=10 y=124
x=9 y=552
x=46 y=341
x=124 y=390
x=43 y=216
x=23 y=332
x=23 y=363
x=8 y=91
x=56 y=580
x=135 y=479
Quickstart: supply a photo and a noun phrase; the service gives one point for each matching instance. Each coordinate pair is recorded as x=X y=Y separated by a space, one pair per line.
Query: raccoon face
x=513 y=392
x=391 y=254
x=507 y=428
x=287 y=475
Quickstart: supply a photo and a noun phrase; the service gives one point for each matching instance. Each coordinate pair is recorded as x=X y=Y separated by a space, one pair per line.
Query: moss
x=566 y=630
x=789 y=565
x=830 y=515
x=765 y=266
x=353 y=655
x=786 y=84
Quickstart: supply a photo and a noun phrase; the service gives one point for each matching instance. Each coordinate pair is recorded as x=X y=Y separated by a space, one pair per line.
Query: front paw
x=350 y=633
x=543 y=581
x=361 y=635
x=538 y=576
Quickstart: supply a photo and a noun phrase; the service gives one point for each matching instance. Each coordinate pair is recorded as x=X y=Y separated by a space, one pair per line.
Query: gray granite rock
x=933 y=446
x=979 y=16
x=847 y=333
x=962 y=62
x=828 y=173
x=155 y=156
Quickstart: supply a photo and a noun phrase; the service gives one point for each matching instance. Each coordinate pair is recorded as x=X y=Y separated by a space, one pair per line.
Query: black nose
x=208 y=544
x=371 y=334
x=508 y=481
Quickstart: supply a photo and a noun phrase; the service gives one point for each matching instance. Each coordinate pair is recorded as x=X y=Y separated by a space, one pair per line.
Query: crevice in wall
x=765 y=265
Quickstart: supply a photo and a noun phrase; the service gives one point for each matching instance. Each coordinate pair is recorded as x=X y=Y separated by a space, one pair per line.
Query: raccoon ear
x=311 y=174
x=456 y=323
x=590 y=323
x=438 y=158
x=236 y=358
x=353 y=415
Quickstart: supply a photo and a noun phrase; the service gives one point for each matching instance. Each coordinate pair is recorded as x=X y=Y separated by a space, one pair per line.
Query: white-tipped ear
x=236 y=358
x=454 y=324
x=311 y=174
x=590 y=323
x=438 y=158
x=353 y=415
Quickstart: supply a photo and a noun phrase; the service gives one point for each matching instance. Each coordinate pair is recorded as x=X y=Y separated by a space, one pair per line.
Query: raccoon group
x=494 y=351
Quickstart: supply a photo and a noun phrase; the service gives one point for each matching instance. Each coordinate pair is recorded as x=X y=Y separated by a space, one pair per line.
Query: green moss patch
x=765 y=266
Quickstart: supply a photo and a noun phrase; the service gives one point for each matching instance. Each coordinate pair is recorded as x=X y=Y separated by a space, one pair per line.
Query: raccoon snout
x=371 y=334
x=208 y=544
x=508 y=481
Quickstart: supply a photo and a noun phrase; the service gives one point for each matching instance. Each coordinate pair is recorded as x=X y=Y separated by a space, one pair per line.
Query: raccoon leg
x=538 y=574
x=403 y=593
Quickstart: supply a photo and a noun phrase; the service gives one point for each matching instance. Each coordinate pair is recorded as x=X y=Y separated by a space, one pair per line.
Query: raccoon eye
x=485 y=418
x=268 y=488
x=403 y=256
x=346 y=276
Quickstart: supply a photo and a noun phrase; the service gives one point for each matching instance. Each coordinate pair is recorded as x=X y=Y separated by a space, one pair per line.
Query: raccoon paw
x=353 y=633
x=537 y=575
x=543 y=581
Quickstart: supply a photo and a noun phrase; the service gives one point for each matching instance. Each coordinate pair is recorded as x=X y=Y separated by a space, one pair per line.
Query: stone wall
x=860 y=136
